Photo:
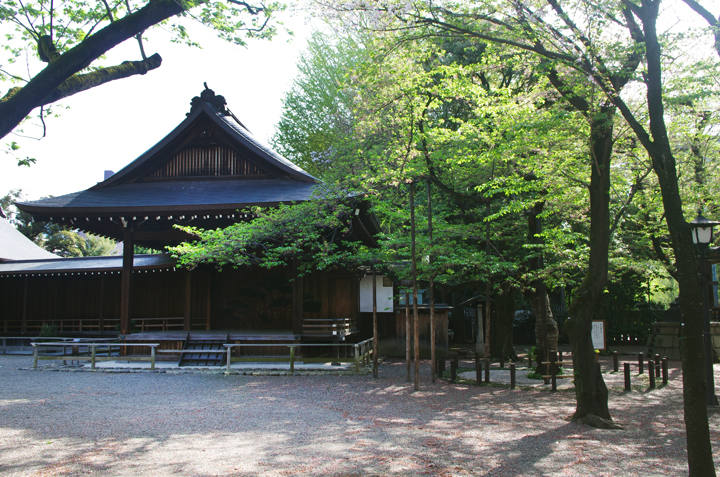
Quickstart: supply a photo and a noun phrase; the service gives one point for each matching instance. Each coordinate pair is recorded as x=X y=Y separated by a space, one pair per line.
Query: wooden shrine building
x=204 y=173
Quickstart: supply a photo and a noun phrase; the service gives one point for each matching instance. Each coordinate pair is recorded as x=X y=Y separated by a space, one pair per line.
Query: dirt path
x=71 y=423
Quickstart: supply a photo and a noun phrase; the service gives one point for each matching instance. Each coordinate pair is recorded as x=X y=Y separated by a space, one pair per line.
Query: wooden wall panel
x=252 y=299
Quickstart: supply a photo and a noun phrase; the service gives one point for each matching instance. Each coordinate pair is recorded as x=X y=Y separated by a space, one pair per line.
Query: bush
x=48 y=330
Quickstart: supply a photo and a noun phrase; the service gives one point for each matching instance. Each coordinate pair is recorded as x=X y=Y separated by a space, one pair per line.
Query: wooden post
x=407 y=336
x=416 y=321
x=229 y=358
x=512 y=375
x=641 y=364
x=126 y=280
x=297 y=299
x=292 y=360
x=651 y=373
x=626 y=369
x=101 y=322
x=616 y=362
x=209 y=301
x=187 y=321
x=375 y=327
x=92 y=357
x=488 y=311
x=431 y=294
x=553 y=370
x=23 y=323
x=152 y=358
x=35 y=356
x=665 y=370
x=478 y=368
x=657 y=365
x=357 y=358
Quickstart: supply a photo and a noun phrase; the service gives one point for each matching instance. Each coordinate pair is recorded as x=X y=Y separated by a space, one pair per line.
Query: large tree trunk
x=590 y=388
x=546 y=328
x=657 y=144
x=700 y=457
x=503 y=346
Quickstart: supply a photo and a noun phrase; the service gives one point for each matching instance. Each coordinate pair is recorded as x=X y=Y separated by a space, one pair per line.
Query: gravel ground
x=203 y=424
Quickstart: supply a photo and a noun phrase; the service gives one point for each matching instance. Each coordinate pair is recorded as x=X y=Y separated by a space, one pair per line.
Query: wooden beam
x=297 y=300
x=188 y=301
x=23 y=323
x=209 y=301
x=324 y=297
x=375 y=327
x=126 y=281
x=101 y=314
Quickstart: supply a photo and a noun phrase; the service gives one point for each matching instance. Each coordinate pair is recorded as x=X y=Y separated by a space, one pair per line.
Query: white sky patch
x=109 y=126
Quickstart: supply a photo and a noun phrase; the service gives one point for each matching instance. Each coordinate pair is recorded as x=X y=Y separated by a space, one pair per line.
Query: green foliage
x=310 y=232
x=48 y=330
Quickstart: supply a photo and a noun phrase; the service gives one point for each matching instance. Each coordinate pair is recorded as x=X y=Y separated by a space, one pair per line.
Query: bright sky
x=109 y=126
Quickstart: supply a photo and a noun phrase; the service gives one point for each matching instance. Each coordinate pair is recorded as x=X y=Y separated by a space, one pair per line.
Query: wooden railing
x=159 y=324
x=330 y=327
x=93 y=352
x=69 y=325
x=28 y=341
x=62 y=325
x=362 y=354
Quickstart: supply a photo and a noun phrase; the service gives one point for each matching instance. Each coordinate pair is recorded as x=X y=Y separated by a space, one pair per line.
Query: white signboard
x=384 y=294
x=598 y=334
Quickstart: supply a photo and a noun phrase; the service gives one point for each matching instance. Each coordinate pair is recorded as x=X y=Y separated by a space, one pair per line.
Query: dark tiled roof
x=16 y=246
x=265 y=149
x=85 y=265
x=175 y=196
x=235 y=131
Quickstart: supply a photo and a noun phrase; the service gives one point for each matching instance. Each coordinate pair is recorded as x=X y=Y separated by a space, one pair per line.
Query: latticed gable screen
x=199 y=161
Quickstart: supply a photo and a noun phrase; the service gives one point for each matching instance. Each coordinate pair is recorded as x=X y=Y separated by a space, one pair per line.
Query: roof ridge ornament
x=209 y=96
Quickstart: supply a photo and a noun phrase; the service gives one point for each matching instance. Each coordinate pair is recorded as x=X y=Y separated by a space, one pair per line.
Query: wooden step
x=204 y=351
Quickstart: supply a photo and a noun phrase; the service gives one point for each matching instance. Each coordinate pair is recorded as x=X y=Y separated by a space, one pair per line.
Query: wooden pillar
x=431 y=294
x=375 y=327
x=416 y=325
x=297 y=300
x=23 y=323
x=324 y=297
x=126 y=281
x=101 y=314
x=209 y=303
x=187 y=320
x=408 y=337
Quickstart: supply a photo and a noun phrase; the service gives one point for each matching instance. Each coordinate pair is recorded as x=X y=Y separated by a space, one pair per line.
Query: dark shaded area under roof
x=85 y=265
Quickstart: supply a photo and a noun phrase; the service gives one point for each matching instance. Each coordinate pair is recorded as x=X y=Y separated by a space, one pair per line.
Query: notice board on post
x=598 y=334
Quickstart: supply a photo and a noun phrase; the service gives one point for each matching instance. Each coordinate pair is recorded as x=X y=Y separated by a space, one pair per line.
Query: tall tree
x=601 y=45
x=523 y=26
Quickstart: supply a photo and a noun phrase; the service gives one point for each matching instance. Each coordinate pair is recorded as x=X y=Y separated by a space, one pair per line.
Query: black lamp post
x=702 y=230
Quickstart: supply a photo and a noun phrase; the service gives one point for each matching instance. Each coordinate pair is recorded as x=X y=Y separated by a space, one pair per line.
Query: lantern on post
x=702 y=232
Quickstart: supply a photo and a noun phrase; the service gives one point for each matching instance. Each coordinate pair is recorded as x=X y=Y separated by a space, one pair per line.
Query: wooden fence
x=361 y=356
x=93 y=347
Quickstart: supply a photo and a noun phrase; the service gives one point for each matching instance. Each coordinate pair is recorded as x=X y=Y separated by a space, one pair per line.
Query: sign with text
x=598 y=334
